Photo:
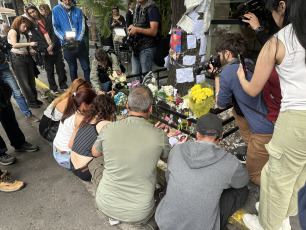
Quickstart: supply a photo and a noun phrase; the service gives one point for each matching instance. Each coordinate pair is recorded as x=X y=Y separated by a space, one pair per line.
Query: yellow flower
x=170 y=99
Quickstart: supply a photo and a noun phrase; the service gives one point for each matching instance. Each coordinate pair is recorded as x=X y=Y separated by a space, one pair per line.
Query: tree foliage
x=102 y=12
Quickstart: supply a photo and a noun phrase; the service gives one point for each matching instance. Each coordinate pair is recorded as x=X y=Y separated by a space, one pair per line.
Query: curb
x=44 y=90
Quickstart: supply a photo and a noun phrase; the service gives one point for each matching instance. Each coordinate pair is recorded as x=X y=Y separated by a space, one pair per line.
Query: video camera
x=5 y=47
x=204 y=66
x=70 y=42
x=256 y=7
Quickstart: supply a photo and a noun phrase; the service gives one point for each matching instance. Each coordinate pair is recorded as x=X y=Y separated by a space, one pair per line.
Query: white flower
x=153 y=88
x=168 y=89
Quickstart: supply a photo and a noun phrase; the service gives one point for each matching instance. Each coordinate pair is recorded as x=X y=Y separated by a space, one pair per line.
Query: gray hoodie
x=197 y=174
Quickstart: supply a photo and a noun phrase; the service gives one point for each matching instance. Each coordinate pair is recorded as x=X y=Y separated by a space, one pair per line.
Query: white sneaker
x=252 y=222
x=114 y=221
x=286 y=223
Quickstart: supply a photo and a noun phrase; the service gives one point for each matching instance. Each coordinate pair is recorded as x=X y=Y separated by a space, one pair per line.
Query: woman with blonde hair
x=56 y=109
x=22 y=60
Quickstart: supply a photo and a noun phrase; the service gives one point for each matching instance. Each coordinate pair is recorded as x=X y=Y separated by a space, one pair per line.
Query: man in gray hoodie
x=198 y=172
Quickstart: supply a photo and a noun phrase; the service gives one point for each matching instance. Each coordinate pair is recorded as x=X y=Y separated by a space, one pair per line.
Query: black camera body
x=5 y=48
x=214 y=60
x=70 y=45
x=256 y=7
x=130 y=43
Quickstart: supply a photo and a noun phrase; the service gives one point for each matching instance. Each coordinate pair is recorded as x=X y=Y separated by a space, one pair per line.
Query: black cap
x=209 y=122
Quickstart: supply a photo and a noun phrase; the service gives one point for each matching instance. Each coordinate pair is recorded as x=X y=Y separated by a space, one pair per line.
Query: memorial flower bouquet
x=201 y=99
x=117 y=77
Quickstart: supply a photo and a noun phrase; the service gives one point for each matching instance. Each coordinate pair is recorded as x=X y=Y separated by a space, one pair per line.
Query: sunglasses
x=83 y=83
x=29 y=6
x=115 y=7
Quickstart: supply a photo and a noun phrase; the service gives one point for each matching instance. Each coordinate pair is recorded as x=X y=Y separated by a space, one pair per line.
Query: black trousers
x=58 y=61
x=24 y=70
x=231 y=200
x=11 y=127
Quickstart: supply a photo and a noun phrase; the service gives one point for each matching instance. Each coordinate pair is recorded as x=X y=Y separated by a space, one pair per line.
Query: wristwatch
x=260 y=28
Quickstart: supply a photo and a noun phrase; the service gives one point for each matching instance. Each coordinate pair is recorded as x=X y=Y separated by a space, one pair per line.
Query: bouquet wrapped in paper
x=201 y=99
x=117 y=77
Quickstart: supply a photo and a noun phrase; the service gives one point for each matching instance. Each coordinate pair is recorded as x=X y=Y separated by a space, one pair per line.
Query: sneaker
x=44 y=96
x=252 y=222
x=26 y=147
x=55 y=91
x=7 y=184
x=286 y=223
x=34 y=106
x=241 y=158
x=32 y=118
x=38 y=102
x=6 y=159
x=114 y=221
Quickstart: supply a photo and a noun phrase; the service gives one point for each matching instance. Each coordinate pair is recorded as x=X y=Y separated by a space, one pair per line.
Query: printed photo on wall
x=175 y=46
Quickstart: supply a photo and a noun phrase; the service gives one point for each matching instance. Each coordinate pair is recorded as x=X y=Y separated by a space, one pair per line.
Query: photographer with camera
x=22 y=61
x=143 y=32
x=69 y=27
x=102 y=66
x=250 y=112
x=48 y=46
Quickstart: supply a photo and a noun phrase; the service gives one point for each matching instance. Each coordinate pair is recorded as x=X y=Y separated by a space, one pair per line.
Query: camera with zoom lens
x=204 y=66
x=70 y=42
x=5 y=47
x=256 y=7
x=130 y=43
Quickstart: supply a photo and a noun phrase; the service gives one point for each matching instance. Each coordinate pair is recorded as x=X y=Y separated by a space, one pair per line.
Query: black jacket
x=5 y=93
x=129 y=18
x=37 y=36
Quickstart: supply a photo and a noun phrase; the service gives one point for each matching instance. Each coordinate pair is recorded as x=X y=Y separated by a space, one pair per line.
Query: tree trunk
x=19 y=6
x=178 y=9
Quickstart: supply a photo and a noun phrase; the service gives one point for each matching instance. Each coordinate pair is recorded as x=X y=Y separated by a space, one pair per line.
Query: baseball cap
x=209 y=122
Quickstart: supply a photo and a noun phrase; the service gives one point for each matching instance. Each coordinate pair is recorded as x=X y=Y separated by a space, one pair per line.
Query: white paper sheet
x=184 y=75
x=189 y=60
x=198 y=28
x=202 y=50
x=191 y=42
x=120 y=32
x=186 y=23
x=194 y=15
x=167 y=62
x=191 y=4
x=200 y=78
x=201 y=7
x=173 y=141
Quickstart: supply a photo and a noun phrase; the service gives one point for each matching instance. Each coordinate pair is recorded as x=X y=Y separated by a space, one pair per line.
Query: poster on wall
x=175 y=46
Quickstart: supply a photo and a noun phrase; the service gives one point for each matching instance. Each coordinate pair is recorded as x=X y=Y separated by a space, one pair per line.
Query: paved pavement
x=53 y=197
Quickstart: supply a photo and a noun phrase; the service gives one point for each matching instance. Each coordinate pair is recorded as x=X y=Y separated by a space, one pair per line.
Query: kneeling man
x=198 y=172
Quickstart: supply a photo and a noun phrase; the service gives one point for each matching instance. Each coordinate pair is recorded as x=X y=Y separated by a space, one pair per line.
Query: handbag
x=48 y=128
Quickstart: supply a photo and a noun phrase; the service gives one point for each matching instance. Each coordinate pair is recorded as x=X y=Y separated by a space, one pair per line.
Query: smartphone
x=241 y=60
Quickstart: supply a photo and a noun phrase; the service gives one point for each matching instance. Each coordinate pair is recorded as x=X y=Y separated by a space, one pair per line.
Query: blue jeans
x=62 y=159
x=142 y=63
x=106 y=86
x=8 y=77
x=71 y=58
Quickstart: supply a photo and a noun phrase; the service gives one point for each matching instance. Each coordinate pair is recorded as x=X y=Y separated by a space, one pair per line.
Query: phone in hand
x=241 y=60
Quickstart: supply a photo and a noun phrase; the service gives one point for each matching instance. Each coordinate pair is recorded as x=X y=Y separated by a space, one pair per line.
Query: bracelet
x=260 y=28
x=217 y=94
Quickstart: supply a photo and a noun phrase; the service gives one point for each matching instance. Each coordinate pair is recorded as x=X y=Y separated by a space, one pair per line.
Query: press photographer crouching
x=250 y=112
x=102 y=66
x=144 y=31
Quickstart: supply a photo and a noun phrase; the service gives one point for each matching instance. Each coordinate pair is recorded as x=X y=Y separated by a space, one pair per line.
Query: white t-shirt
x=64 y=133
x=57 y=115
x=292 y=71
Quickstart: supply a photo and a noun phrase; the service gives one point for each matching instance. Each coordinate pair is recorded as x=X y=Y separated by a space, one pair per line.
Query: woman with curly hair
x=101 y=112
x=22 y=60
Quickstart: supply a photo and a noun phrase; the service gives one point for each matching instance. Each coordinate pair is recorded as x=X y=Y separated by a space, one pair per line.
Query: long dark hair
x=47 y=9
x=103 y=107
x=40 y=16
x=295 y=14
x=76 y=100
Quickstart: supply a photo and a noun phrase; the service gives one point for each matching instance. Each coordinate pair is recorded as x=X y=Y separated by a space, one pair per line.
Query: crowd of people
x=204 y=184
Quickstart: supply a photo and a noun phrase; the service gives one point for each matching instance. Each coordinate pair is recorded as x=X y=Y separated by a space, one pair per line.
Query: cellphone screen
x=241 y=60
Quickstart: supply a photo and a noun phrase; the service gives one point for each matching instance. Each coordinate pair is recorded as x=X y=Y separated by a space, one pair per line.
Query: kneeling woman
x=101 y=112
